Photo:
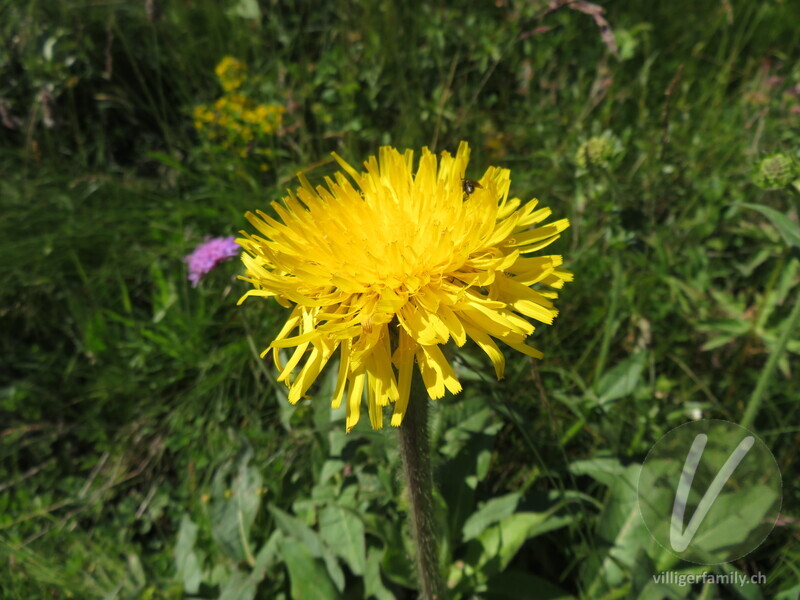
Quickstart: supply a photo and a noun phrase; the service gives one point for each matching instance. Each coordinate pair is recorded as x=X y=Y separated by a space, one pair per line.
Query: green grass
x=131 y=403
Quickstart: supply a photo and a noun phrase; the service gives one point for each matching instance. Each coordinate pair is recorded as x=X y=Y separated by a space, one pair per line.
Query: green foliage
x=146 y=451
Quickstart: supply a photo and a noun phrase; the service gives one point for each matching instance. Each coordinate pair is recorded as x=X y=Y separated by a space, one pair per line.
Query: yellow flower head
x=231 y=73
x=389 y=267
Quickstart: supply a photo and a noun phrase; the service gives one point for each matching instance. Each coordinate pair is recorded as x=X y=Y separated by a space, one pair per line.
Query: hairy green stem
x=415 y=450
x=754 y=404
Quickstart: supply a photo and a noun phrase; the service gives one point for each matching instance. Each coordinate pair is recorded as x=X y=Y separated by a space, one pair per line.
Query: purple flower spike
x=208 y=255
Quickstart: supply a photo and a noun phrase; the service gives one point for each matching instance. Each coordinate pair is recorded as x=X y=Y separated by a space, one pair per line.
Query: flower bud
x=599 y=151
x=776 y=171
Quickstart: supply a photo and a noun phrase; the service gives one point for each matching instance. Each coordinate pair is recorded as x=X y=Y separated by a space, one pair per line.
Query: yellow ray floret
x=388 y=265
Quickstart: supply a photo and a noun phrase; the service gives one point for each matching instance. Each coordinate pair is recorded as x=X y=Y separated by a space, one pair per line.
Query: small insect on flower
x=468 y=187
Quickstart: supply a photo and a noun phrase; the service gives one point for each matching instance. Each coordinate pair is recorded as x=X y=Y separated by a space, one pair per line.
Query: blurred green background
x=147 y=452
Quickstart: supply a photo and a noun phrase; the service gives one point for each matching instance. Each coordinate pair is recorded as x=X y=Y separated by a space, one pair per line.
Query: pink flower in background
x=208 y=255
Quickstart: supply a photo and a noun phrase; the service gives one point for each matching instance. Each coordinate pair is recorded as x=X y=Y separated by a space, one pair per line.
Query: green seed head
x=776 y=171
x=599 y=151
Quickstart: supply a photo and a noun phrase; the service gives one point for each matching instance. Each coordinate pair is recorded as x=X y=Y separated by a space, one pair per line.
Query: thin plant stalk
x=757 y=397
x=608 y=328
x=415 y=450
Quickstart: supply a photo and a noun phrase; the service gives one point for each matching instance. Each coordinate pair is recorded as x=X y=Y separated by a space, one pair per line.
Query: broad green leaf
x=246 y=9
x=729 y=522
x=397 y=561
x=244 y=586
x=491 y=552
x=295 y=529
x=742 y=588
x=621 y=526
x=621 y=380
x=787 y=282
x=337 y=438
x=465 y=445
x=373 y=583
x=247 y=495
x=482 y=464
x=233 y=510
x=238 y=587
x=308 y=577
x=490 y=513
x=188 y=566
x=602 y=470
x=343 y=531
x=323 y=493
x=620 y=521
x=789 y=231
x=330 y=467
x=268 y=555
x=397 y=554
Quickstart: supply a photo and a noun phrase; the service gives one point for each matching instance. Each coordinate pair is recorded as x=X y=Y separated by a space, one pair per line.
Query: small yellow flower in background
x=391 y=266
x=231 y=73
x=234 y=122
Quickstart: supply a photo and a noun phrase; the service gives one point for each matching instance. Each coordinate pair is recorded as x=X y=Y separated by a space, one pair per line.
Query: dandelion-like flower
x=390 y=266
x=208 y=255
